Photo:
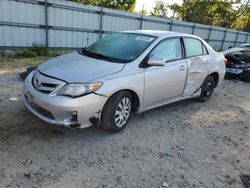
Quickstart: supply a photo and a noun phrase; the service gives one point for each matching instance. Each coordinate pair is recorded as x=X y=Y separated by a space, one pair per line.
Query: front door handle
x=182 y=67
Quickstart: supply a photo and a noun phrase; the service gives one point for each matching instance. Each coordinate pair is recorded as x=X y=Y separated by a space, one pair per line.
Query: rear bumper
x=237 y=70
x=61 y=110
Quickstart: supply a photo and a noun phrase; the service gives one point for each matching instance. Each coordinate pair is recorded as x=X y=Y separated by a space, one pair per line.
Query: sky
x=149 y=4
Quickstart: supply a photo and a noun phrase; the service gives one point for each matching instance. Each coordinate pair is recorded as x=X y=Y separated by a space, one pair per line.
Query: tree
x=124 y=5
x=160 y=9
x=243 y=22
x=212 y=12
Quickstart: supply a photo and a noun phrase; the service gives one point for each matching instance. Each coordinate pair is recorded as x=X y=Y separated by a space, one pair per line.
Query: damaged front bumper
x=64 y=111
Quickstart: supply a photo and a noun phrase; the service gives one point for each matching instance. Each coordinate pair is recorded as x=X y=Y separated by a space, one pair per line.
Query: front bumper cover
x=61 y=110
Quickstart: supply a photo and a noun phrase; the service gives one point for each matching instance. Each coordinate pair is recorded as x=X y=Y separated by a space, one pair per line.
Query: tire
x=231 y=76
x=117 y=112
x=245 y=76
x=207 y=89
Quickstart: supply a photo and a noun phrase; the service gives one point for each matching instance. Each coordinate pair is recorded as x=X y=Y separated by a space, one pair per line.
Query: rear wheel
x=117 y=111
x=245 y=76
x=207 y=89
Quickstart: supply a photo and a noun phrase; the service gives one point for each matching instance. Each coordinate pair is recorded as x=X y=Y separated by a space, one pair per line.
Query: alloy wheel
x=122 y=112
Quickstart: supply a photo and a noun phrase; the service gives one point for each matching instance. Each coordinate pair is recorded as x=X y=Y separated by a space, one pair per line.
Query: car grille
x=42 y=86
x=44 y=83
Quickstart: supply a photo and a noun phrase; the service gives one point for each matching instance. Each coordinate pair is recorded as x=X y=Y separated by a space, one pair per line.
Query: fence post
x=193 y=29
x=172 y=22
x=100 y=27
x=87 y=42
x=141 y=19
x=246 y=38
x=46 y=24
x=236 y=39
x=224 y=37
x=209 y=34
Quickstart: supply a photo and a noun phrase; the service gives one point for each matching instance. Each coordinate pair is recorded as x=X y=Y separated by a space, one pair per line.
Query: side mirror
x=156 y=61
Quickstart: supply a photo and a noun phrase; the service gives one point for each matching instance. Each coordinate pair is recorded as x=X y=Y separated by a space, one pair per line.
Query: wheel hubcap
x=122 y=112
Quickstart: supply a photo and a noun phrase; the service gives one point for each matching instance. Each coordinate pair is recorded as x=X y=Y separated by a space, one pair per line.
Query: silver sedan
x=125 y=72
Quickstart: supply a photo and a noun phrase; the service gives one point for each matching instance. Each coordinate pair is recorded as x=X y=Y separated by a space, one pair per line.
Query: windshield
x=119 y=47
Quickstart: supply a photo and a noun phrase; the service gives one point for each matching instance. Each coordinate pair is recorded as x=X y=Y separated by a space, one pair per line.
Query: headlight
x=77 y=90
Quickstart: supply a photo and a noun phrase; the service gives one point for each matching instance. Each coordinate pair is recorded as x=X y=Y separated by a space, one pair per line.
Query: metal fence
x=63 y=24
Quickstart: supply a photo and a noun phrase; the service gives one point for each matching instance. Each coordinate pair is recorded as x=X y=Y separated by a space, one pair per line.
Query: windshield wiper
x=96 y=55
x=101 y=56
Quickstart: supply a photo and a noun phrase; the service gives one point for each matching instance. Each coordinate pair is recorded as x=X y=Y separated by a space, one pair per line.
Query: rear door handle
x=182 y=67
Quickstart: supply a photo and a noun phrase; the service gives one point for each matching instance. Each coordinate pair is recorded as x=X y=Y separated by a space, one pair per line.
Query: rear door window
x=193 y=47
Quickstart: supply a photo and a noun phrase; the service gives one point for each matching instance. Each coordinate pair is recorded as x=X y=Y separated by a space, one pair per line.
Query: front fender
x=134 y=82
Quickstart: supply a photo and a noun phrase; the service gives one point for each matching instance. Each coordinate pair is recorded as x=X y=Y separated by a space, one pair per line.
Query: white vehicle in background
x=238 y=48
x=245 y=46
x=125 y=72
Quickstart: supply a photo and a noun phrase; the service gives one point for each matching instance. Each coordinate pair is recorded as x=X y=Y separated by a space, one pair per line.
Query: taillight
x=225 y=60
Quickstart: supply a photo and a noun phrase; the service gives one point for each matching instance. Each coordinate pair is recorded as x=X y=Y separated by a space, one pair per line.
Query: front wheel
x=117 y=111
x=207 y=89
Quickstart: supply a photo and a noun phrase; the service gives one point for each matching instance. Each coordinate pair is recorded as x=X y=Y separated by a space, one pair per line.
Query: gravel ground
x=186 y=144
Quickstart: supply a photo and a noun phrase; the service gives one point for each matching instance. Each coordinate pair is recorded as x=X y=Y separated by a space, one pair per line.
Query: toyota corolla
x=123 y=73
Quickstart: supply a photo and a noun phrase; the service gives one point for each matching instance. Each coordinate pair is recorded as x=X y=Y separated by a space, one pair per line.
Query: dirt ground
x=186 y=144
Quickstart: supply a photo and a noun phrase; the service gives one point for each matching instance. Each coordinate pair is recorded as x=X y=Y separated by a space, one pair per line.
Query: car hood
x=74 y=67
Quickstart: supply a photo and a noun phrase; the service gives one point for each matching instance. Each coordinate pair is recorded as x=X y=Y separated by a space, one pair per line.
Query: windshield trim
x=117 y=60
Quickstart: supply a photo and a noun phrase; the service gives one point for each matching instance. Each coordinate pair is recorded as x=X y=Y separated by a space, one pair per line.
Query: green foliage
x=217 y=49
x=36 y=50
x=55 y=53
x=26 y=53
x=19 y=64
x=39 y=49
x=2 y=54
x=224 y=13
x=160 y=9
x=124 y=5
x=243 y=22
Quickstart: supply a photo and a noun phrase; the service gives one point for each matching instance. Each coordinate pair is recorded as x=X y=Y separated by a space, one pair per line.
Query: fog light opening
x=74 y=117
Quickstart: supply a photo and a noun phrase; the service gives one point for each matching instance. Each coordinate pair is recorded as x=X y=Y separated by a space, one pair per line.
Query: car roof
x=158 y=33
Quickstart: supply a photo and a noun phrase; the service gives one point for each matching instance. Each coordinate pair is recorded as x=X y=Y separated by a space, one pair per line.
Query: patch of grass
x=217 y=49
x=2 y=54
x=26 y=53
x=40 y=49
x=20 y=64
x=22 y=59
